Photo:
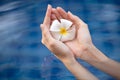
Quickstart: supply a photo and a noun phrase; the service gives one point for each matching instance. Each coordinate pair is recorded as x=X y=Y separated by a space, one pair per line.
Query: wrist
x=98 y=55
x=69 y=61
x=92 y=54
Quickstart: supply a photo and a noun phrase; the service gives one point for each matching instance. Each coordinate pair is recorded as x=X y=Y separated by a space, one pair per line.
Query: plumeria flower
x=62 y=30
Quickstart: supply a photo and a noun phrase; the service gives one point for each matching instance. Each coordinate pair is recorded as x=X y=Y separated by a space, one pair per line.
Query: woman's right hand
x=82 y=42
x=82 y=46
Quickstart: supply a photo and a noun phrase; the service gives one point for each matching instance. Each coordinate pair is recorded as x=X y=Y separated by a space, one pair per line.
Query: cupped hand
x=59 y=49
x=83 y=40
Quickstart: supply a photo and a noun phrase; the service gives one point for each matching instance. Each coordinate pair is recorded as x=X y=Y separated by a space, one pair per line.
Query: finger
x=62 y=12
x=47 y=16
x=76 y=20
x=58 y=16
x=53 y=17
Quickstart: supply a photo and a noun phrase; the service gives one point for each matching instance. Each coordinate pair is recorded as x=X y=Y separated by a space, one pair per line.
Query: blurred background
x=22 y=55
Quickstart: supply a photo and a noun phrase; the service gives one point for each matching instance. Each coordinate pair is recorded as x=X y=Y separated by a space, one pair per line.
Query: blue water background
x=22 y=55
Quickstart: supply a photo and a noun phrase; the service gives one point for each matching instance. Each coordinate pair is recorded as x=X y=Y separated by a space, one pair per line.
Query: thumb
x=45 y=32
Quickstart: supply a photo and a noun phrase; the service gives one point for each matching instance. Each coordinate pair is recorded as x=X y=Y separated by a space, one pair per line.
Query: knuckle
x=45 y=32
x=45 y=36
x=51 y=44
x=41 y=26
x=43 y=41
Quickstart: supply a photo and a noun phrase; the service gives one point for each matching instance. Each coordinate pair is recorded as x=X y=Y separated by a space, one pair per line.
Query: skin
x=85 y=49
x=81 y=47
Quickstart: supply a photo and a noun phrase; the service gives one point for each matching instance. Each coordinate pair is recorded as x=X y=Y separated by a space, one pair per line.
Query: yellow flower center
x=63 y=31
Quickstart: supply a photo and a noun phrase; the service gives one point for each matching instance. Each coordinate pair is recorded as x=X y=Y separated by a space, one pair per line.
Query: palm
x=78 y=43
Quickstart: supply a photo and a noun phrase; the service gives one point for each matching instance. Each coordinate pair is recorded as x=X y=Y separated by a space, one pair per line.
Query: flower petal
x=55 y=26
x=70 y=35
x=56 y=35
x=65 y=23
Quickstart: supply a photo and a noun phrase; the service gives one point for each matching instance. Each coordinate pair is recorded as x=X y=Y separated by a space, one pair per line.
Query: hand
x=60 y=50
x=83 y=47
x=83 y=40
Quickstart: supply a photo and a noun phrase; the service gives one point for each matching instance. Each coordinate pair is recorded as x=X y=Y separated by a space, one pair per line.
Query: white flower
x=62 y=30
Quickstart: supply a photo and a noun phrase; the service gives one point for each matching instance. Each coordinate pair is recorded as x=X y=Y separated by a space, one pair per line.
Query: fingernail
x=59 y=8
x=49 y=6
x=41 y=24
x=69 y=13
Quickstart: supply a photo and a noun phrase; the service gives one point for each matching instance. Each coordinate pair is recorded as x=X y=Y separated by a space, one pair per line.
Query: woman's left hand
x=59 y=49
